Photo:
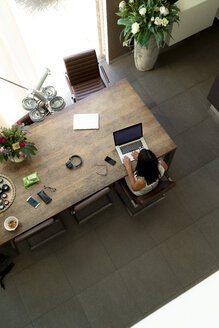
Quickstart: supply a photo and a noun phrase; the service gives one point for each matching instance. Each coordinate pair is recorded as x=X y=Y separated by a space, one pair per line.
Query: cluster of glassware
x=41 y=102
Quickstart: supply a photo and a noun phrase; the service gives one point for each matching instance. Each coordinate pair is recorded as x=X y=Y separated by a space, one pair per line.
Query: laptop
x=128 y=140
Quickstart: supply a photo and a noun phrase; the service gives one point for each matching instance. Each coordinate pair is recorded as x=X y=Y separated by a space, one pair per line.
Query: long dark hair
x=147 y=166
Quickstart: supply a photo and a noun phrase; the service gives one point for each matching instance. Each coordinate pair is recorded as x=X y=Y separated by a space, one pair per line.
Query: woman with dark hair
x=147 y=173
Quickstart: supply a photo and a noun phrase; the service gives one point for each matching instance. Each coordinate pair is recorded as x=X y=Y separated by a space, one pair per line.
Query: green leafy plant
x=144 y=18
x=13 y=142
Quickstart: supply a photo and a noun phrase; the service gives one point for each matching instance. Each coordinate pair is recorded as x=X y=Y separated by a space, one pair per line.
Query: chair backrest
x=162 y=188
x=165 y=184
x=26 y=119
x=82 y=67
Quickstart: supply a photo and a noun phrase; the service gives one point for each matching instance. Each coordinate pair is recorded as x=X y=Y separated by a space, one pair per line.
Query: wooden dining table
x=118 y=106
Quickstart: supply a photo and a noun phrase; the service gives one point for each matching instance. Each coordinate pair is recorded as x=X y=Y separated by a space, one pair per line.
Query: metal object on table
x=49 y=92
x=29 y=103
x=57 y=103
x=38 y=114
x=38 y=98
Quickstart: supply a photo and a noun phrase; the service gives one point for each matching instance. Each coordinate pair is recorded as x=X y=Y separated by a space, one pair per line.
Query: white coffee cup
x=11 y=223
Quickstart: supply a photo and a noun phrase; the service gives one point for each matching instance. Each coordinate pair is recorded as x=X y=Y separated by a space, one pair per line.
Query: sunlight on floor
x=59 y=31
x=50 y=34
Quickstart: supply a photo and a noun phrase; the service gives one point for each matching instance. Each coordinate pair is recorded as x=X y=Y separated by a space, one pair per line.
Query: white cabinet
x=195 y=16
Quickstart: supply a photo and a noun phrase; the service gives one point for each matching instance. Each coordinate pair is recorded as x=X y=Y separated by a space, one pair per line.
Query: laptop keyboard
x=131 y=147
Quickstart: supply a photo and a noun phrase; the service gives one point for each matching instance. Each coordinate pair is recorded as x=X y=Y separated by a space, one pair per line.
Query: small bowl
x=11 y=227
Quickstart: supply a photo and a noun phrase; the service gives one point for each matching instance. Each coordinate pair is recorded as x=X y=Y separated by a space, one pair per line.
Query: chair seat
x=25 y=236
x=92 y=205
x=136 y=204
x=84 y=89
x=161 y=189
x=29 y=233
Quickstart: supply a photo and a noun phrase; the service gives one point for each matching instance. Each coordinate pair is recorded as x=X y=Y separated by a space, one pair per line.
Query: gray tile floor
x=114 y=270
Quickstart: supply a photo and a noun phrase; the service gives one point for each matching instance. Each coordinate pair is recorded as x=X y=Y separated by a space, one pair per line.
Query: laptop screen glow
x=128 y=134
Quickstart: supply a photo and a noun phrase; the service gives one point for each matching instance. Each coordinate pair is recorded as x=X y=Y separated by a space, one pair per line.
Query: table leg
x=9 y=249
x=169 y=157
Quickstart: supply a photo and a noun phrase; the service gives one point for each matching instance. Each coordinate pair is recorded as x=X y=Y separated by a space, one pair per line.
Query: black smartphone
x=44 y=196
x=110 y=160
x=33 y=202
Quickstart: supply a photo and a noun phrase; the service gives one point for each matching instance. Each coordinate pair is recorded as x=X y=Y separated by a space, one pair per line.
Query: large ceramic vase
x=16 y=159
x=145 y=58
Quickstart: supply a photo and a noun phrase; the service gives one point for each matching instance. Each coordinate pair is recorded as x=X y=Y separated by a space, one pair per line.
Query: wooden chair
x=26 y=119
x=35 y=230
x=92 y=205
x=136 y=204
x=83 y=75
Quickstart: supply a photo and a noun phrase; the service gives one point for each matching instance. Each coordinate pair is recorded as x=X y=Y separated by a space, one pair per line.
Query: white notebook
x=85 y=121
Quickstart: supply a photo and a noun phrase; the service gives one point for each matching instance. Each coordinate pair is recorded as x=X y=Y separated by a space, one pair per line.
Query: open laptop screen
x=128 y=134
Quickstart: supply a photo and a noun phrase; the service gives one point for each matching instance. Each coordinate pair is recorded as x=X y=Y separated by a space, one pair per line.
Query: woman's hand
x=126 y=162
x=135 y=155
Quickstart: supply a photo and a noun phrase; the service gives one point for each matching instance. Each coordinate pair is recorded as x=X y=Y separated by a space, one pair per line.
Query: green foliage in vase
x=13 y=142
x=144 y=18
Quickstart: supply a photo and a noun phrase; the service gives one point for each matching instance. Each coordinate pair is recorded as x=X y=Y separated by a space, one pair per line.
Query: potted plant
x=148 y=22
x=14 y=144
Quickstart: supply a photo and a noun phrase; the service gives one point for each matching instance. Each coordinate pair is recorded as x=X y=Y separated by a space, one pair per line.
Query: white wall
x=195 y=16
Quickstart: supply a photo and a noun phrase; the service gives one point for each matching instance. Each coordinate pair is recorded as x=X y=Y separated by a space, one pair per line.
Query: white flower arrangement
x=122 y=5
x=158 y=21
x=135 y=28
x=165 y=22
x=142 y=11
x=144 y=18
x=164 y=11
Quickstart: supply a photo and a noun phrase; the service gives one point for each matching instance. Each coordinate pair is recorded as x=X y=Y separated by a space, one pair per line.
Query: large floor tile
x=150 y=281
x=165 y=218
x=67 y=315
x=209 y=226
x=189 y=255
x=182 y=112
x=124 y=239
x=142 y=92
x=205 y=87
x=213 y=169
x=161 y=84
x=43 y=286
x=198 y=192
x=206 y=65
x=196 y=147
x=27 y=257
x=189 y=60
x=12 y=309
x=85 y=262
x=124 y=67
x=104 y=216
x=108 y=304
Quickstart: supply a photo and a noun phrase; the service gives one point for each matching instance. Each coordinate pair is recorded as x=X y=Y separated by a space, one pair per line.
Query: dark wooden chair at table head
x=83 y=75
x=26 y=119
x=136 y=204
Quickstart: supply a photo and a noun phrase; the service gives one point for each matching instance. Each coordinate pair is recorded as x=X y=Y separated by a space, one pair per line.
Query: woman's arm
x=164 y=164
x=135 y=184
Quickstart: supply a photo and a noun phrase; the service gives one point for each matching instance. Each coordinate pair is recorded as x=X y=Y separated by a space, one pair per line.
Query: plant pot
x=145 y=58
x=16 y=159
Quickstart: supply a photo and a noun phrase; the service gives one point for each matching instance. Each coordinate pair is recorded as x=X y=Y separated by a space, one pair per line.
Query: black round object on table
x=1 y=191
x=1 y=180
x=5 y=187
